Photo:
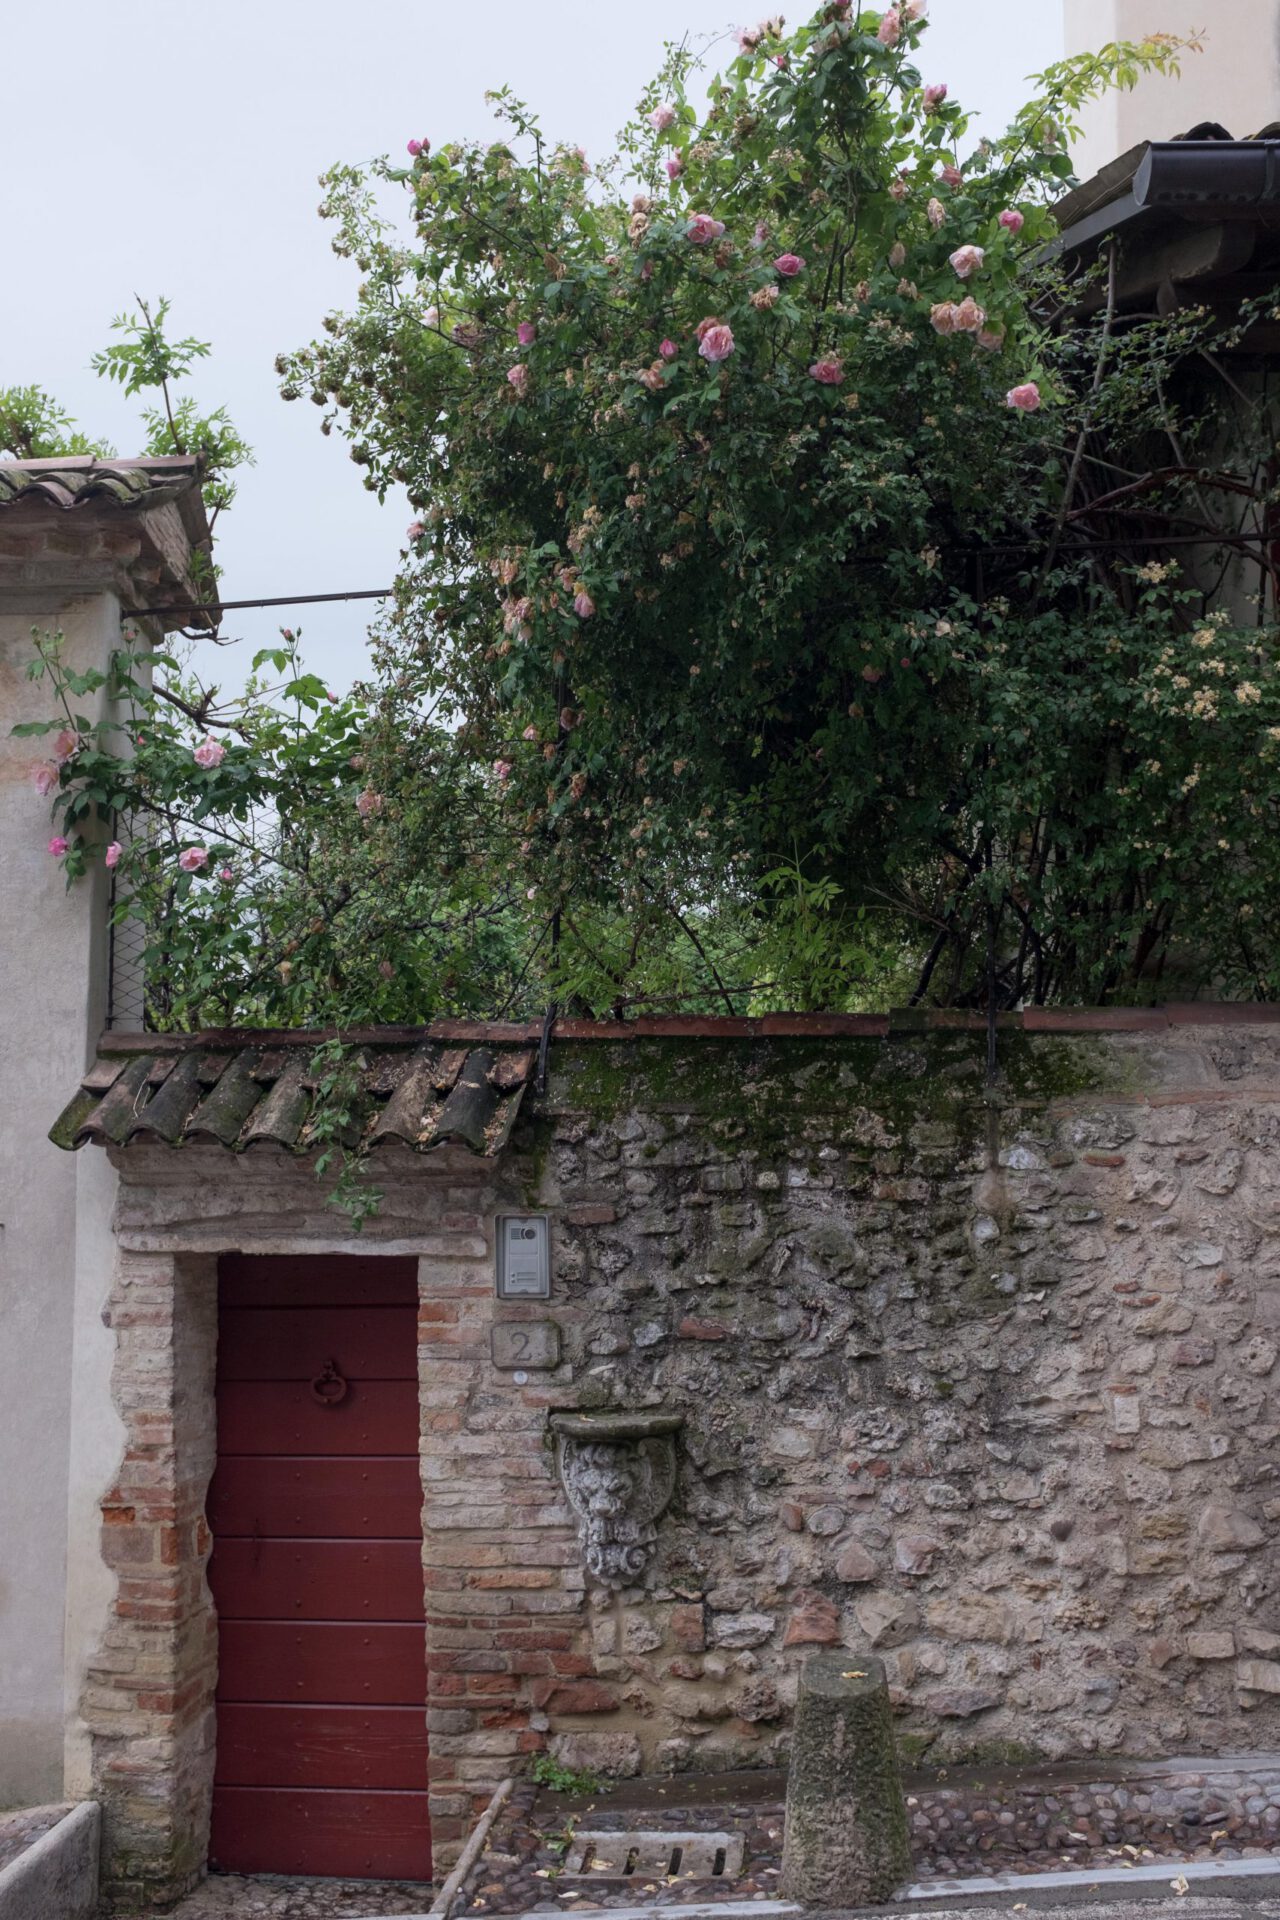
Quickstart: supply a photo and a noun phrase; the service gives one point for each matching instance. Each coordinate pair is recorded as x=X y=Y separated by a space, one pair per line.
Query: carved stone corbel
x=618 y=1471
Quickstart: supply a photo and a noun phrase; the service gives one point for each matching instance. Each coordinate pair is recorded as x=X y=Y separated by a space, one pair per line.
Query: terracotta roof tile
x=422 y=1096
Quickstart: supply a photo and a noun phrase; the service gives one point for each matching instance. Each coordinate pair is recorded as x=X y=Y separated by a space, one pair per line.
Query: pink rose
x=226 y=875
x=530 y=733
x=368 y=802
x=934 y=95
x=193 y=859
x=662 y=117
x=748 y=38
x=916 y=9
x=414 y=531
x=210 y=753
x=760 y=238
x=386 y=969
x=675 y=167
x=702 y=229
x=889 y=32
x=951 y=177
x=829 y=370
x=58 y=846
x=65 y=745
x=431 y=317
x=716 y=344
x=898 y=190
x=419 y=146
x=583 y=605
x=1012 y=220
x=967 y=260
x=968 y=317
x=503 y=769
x=668 y=349
x=992 y=338
x=112 y=855
x=1025 y=398
x=518 y=379
x=44 y=778
x=897 y=256
x=942 y=318
x=789 y=265
x=526 y=333
x=936 y=214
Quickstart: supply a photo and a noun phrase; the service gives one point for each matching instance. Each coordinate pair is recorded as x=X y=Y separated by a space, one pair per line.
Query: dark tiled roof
x=421 y=1094
x=77 y=480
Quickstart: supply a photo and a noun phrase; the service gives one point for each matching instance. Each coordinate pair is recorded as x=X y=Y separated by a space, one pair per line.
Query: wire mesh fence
x=128 y=1002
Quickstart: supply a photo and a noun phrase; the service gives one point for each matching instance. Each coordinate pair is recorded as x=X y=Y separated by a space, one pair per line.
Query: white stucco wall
x=54 y=1215
x=1235 y=80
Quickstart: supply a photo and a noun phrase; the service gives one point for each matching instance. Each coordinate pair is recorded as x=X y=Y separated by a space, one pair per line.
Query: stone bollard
x=846 y=1842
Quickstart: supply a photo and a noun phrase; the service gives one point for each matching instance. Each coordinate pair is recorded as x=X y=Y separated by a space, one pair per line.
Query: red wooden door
x=317 y=1571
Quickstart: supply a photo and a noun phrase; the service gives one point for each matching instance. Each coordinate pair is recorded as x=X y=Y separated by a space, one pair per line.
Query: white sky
x=176 y=152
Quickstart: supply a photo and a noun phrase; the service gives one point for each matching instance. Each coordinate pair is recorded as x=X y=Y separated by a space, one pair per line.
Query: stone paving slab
x=270 y=1896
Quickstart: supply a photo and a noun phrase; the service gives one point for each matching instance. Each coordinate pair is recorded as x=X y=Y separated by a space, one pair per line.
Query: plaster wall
x=52 y=980
x=1235 y=80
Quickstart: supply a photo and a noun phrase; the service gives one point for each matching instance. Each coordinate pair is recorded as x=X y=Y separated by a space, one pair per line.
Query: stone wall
x=987 y=1387
x=983 y=1380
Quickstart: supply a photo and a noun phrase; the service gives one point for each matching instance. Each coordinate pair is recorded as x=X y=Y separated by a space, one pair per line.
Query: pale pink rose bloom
x=942 y=318
x=652 y=378
x=526 y=333
x=897 y=255
x=432 y=317
x=829 y=371
x=210 y=753
x=934 y=95
x=992 y=338
x=889 y=32
x=368 y=802
x=969 y=317
x=503 y=769
x=789 y=264
x=386 y=969
x=760 y=238
x=226 y=874
x=702 y=229
x=1013 y=220
x=530 y=733
x=193 y=859
x=414 y=531
x=44 y=778
x=662 y=117
x=717 y=344
x=1025 y=398
x=898 y=190
x=951 y=177
x=967 y=260
x=58 y=846
x=916 y=9
x=112 y=855
x=65 y=744
x=748 y=38
x=518 y=378
x=583 y=605
x=937 y=214
x=675 y=167
x=668 y=349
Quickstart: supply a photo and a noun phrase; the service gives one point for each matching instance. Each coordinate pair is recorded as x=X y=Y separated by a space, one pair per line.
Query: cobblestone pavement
x=269 y=1896
x=530 y=1861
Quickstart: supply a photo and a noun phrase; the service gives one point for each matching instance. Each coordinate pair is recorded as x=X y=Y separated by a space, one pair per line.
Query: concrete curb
x=56 y=1878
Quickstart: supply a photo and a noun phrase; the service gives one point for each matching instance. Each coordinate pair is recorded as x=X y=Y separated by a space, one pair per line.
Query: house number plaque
x=525 y=1345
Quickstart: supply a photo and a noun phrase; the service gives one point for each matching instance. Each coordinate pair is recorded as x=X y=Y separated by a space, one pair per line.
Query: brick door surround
x=502 y=1578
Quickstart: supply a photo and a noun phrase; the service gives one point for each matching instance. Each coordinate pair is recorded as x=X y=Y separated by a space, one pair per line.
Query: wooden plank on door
x=268 y=1745
x=354 y=1499
x=321 y=1660
x=371 y=1836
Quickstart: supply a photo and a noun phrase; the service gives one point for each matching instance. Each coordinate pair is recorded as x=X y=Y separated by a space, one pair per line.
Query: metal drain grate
x=654 y=1856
